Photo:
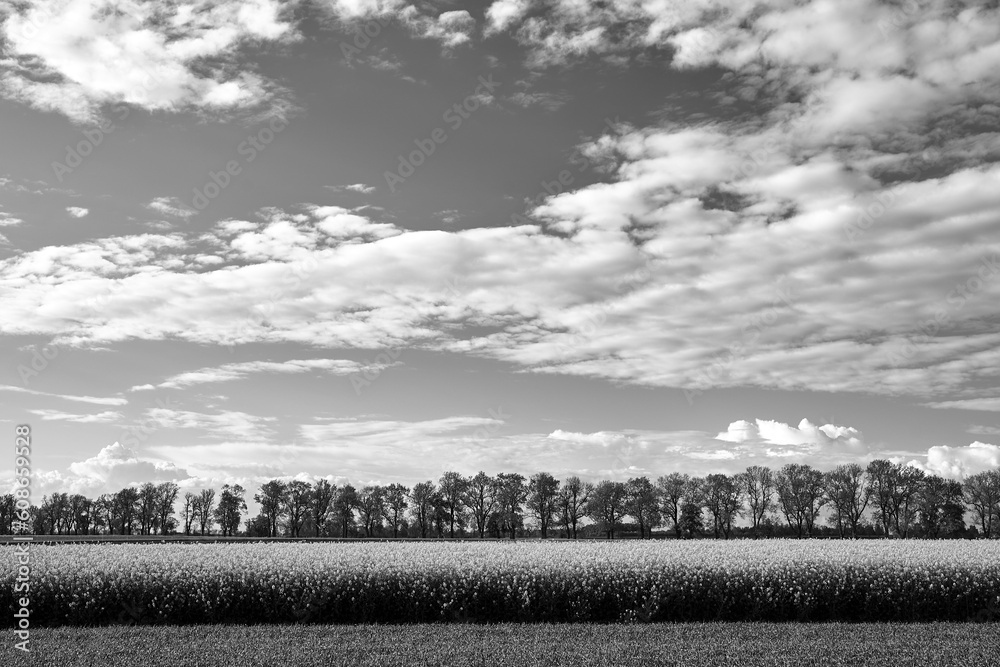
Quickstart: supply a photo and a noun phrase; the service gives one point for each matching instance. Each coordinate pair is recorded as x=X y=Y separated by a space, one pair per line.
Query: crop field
x=513 y=645
x=467 y=582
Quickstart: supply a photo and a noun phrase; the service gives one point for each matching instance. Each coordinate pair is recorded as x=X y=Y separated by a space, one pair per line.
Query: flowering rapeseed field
x=635 y=581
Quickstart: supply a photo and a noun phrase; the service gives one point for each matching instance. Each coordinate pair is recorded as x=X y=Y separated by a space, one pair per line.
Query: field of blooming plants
x=637 y=581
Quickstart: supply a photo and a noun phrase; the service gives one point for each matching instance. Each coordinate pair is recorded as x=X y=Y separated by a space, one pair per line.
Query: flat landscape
x=512 y=645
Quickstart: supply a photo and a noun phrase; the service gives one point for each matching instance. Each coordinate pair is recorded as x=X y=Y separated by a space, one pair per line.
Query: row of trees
x=884 y=498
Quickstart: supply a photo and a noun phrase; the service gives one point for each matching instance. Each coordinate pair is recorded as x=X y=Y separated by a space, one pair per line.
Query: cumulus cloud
x=778 y=439
x=960 y=462
x=503 y=13
x=76 y=57
x=77 y=211
x=117 y=466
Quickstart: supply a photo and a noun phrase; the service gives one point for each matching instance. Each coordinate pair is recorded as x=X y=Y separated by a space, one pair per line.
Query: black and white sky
x=376 y=240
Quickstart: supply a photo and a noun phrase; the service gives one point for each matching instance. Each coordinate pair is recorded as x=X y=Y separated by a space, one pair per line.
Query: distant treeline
x=884 y=499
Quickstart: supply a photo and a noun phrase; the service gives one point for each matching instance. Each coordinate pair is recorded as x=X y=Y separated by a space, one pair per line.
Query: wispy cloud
x=66 y=397
x=237 y=371
x=107 y=417
x=354 y=187
x=171 y=206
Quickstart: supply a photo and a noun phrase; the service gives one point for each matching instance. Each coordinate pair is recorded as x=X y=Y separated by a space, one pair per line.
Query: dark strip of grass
x=511 y=645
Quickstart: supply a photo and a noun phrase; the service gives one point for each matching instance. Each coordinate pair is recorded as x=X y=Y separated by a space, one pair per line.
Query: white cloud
x=7 y=220
x=171 y=206
x=117 y=466
x=77 y=211
x=75 y=57
x=106 y=417
x=983 y=404
x=237 y=371
x=503 y=13
x=354 y=187
x=452 y=28
x=96 y=400
x=806 y=436
x=960 y=462
x=225 y=424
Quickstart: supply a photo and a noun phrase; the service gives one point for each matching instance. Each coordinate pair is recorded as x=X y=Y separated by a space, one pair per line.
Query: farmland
x=512 y=645
x=469 y=582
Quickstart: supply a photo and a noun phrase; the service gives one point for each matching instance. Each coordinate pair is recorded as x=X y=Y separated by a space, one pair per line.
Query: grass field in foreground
x=691 y=645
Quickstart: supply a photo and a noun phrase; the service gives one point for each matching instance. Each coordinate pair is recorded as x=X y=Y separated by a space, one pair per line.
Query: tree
x=166 y=496
x=321 y=502
x=190 y=511
x=272 y=504
x=672 y=488
x=723 y=498
x=79 y=508
x=206 y=503
x=343 y=508
x=642 y=502
x=849 y=491
x=607 y=505
x=395 y=506
x=542 y=499
x=296 y=502
x=982 y=493
x=148 y=496
x=126 y=502
x=511 y=495
x=55 y=513
x=422 y=508
x=230 y=510
x=481 y=498
x=371 y=507
x=894 y=489
x=758 y=484
x=573 y=499
x=452 y=488
x=439 y=514
x=940 y=509
x=8 y=514
x=690 y=520
x=800 y=495
x=106 y=508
